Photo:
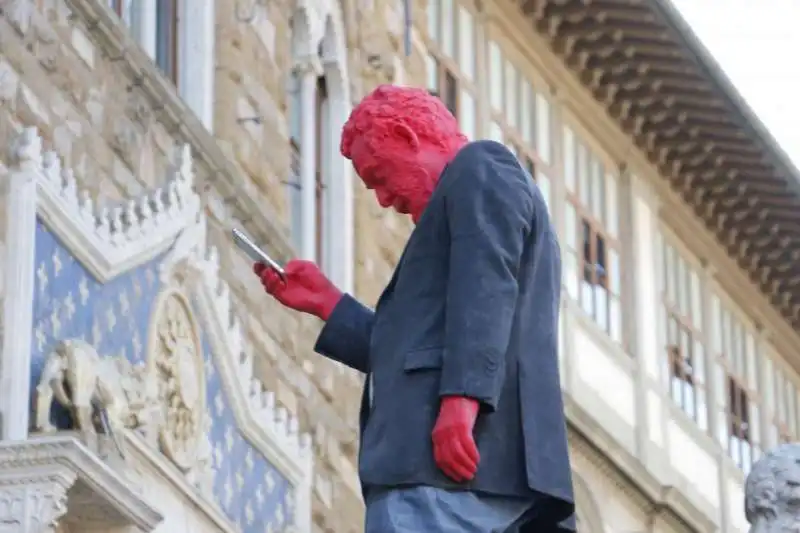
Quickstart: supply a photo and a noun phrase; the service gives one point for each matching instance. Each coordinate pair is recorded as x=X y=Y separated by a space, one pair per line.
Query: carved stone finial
x=27 y=149
x=772 y=491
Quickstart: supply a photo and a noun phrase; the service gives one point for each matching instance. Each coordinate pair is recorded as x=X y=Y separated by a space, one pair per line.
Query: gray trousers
x=432 y=510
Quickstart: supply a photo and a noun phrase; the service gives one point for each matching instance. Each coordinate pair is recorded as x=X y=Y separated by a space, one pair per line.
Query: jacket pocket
x=424 y=359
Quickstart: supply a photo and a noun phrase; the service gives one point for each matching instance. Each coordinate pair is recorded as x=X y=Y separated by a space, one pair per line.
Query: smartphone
x=255 y=253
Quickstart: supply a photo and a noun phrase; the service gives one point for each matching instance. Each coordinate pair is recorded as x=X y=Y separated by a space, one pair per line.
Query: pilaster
x=767 y=385
x=711 y=363
x=20 y=240
x=308 y=70
x=639 y=210
x=558 y=189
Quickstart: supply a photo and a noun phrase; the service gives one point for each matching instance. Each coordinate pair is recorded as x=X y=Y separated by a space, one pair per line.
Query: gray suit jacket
x=472 y=310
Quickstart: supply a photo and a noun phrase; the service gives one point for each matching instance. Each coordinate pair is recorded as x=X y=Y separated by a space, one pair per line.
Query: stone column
x=20 y=242
x=771 y=491
x=308 y=70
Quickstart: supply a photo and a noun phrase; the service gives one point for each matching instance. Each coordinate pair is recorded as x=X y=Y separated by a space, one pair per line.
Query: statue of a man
x=462 y=423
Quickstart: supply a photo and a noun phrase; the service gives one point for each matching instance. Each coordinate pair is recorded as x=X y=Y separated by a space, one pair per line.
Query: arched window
x=322 y=151
x=319 y=185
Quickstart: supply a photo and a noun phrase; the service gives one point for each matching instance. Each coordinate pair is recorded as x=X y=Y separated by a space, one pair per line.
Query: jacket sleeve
x=490 y=213
x=346 y=335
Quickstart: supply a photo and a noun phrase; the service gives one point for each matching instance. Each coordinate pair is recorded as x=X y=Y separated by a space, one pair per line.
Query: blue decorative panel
x=114 y=317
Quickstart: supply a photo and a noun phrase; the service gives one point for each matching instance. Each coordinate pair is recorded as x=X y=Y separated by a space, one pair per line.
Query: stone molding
x=42 y=478
x=136 y=445
x=597 y=446
x=109 y=242
x=112 y=242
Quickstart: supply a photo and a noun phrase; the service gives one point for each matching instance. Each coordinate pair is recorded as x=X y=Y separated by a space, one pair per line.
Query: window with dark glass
x=738 y=401
x=322 y=147
x=450 y=39
x=685 y=350
x=739 y=423
x=167 y=38
x=592 y=263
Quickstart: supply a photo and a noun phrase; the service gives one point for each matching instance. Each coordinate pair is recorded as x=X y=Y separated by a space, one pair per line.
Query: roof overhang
x=643 y=63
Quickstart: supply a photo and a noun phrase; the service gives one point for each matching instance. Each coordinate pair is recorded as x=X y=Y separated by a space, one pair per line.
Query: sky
x=757 y=44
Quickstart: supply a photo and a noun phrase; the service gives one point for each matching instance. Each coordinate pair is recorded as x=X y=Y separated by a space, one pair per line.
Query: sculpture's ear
x=406 y=134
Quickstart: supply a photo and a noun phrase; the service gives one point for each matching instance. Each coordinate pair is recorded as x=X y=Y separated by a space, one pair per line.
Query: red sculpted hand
x=306 y=289
x=454 y=448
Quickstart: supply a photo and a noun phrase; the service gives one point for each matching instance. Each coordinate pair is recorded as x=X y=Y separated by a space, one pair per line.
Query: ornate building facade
x=148 y=384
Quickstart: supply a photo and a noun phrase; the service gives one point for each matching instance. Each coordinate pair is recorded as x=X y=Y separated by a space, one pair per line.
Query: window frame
x=737 y=380
x=672 y=291
x=780 y=412
x=586 y=218
x=443 y=64
x=322 y=98
x=171 y=48
x=512 y=136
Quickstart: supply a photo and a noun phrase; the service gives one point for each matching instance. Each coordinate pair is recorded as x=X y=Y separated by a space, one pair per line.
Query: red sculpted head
x=399 y=140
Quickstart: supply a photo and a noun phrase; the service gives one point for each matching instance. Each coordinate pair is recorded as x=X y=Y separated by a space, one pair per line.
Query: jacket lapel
x=387 y=292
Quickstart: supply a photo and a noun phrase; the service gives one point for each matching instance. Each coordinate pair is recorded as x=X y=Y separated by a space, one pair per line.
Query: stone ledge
x=47 y=480
x=662 y=499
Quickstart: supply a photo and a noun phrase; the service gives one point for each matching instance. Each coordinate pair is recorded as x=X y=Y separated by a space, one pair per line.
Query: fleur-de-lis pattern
x=114 y=317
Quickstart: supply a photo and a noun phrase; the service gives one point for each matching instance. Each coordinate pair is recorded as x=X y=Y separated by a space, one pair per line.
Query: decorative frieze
x=109 y=241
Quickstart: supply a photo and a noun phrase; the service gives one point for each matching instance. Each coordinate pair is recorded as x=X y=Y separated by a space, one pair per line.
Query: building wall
x=89 y=85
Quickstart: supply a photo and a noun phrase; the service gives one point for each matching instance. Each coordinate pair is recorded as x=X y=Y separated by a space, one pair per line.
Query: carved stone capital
x=49 y=481
x=772 y=491
x=33 y=505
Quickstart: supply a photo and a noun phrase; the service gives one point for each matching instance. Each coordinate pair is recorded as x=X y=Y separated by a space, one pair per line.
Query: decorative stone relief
x=35 y=508
x=201 y=476
x=772 y=491
x=271 y=428
x=109 y=242
x=177 y=361
x=123 y=392
x=53 y=481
